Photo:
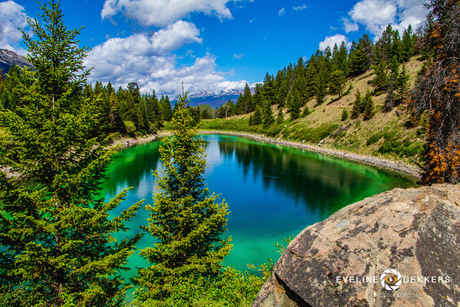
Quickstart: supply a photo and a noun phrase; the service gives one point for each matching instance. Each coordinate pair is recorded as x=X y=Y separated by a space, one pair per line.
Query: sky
x=209 y=45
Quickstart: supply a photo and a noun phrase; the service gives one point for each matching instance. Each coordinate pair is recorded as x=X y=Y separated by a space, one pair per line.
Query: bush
x=314 y=135
x=375 y=138
x=344 y=115
x=130 y=127
x=230 y=288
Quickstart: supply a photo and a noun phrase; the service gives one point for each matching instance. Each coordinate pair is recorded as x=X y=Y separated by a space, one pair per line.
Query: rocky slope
x=399 y=248
x=9 y=58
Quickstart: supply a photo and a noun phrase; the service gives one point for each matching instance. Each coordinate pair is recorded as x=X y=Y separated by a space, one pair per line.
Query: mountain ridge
x=10 y=58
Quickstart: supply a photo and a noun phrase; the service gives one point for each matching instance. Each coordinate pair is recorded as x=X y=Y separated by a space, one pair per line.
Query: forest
x=57 y=232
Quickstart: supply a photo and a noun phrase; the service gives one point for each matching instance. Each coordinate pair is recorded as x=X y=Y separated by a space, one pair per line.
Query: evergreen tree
x=356 y=106
x=240 y=105
x=269 y=91
x=56 y=234
x=380 y=81
x=279 y=116
x=369 y=106
x=337 y=82
x=407 y=48
x=248 y=103
x=185 y=220
x=392 y=85
x=358 y=59
x=166 y=108
x=294 y=105
x=268 y=115
x=402 y=85
x=256 y=117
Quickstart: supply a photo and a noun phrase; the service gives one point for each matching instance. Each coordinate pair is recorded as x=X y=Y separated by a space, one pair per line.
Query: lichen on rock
x=398 y=248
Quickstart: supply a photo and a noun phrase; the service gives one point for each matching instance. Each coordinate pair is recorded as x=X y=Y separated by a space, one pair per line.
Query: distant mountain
x=215 y=99
x=9 y=58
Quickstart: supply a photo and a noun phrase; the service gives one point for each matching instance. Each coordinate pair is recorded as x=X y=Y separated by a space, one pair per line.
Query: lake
x=273 y=191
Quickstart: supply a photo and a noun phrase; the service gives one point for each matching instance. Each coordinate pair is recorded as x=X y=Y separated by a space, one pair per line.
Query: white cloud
x=12 y=16
x=149 y=61
x=376 y=15
x=350 y=26
x=332 y=40
x=163 y=12
x=282 y=12
x=300 y=8
x=238 y=56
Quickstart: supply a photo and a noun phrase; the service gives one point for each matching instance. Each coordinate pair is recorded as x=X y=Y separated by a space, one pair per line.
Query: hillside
x=385 y=135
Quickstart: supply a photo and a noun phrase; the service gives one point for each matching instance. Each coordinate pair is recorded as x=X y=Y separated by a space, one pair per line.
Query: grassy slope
x=384 y=135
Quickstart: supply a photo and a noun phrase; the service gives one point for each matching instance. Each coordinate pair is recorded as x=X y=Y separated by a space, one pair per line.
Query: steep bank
x=398 y=248
x=388 y=134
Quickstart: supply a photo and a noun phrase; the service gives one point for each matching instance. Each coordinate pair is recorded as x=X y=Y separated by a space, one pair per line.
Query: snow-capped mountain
x=215 y=99
x=9 y=58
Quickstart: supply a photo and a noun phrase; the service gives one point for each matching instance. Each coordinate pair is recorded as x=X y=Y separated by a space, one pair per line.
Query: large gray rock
x=340 y=261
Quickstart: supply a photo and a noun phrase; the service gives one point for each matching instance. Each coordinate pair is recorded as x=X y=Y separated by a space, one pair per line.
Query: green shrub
x=375 y=138
x=344 y=115
x=230 y=288
x=314 y=135
x=130 y=127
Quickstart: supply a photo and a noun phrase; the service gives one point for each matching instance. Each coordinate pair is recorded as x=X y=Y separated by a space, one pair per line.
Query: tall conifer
x=55 y=231
x=185 y=220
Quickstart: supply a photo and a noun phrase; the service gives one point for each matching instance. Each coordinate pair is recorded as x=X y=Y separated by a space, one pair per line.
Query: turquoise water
x=273 y=191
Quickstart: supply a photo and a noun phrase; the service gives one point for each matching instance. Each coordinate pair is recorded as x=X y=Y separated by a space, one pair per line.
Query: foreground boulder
x=399 y=248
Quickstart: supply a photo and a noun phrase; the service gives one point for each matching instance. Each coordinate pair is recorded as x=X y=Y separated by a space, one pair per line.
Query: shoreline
x=400 y=167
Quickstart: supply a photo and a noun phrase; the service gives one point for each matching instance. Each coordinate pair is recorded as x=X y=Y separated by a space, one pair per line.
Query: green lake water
x=273 y=191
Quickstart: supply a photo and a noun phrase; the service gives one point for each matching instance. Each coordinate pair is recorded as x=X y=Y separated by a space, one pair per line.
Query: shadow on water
x=272 y=191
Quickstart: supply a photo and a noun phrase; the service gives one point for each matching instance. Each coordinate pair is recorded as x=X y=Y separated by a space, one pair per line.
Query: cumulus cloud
x=238 y=56
x=282 y=12
x=163 y=12
x=350 y=26
x=376 y=15
x=149 y=61
x=332 y=40
x=12 y=16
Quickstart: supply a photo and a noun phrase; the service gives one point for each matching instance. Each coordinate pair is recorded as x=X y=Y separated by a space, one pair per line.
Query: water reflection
x=272 y=191
x=318 y=181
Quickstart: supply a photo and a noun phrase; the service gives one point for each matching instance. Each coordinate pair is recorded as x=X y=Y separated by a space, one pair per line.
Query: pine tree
x=279 y=116
x=294 y=105
x=402 y=85
x=356 y=106
x=369 y=106
x=185 y=220
x=337 y=82
x=268 y=115
x=380 y=81
x=257 y=116
x=55 y=232
x=248 y=103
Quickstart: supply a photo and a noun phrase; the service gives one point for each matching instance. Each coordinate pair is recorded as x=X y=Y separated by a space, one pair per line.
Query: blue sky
x=210 y=45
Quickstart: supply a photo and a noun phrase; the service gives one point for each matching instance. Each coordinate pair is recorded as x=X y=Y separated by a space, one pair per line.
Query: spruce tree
x=257 y=116
x=185 y=220
x=356 y=110
x=55 y=231
x=268 y=114
x=294 y=105
x=369 y=106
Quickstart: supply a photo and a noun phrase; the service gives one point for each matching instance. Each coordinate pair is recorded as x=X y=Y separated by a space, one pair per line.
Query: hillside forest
x=56 y=231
